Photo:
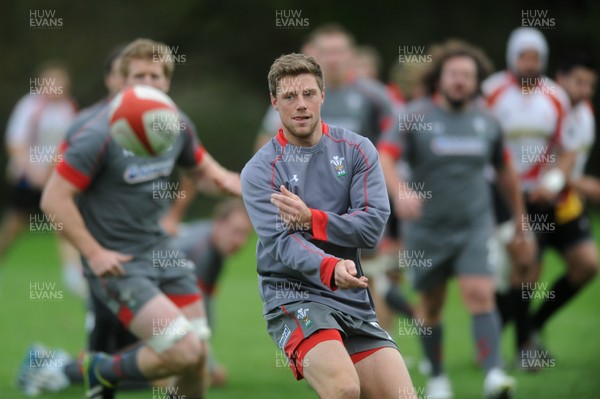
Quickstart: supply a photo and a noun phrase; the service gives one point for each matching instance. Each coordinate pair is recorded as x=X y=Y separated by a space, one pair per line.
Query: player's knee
x=178 y=345
x=478 y=299
x=584 y=272
x=345 y=389
x=186 y=354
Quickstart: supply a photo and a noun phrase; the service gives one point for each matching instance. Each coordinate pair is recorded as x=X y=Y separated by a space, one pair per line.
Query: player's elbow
x=371 y=235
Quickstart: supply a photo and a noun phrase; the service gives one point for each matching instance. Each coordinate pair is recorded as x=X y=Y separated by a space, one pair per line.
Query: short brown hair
x=146 y=49
x=293 y=65
x=454 y=48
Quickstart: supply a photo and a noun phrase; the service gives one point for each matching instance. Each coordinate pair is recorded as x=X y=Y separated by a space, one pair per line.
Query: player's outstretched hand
x=344 y=275
x=106 y=263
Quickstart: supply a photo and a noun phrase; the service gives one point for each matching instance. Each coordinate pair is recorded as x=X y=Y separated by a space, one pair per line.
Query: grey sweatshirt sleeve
x=288 y=248
x=364 y=222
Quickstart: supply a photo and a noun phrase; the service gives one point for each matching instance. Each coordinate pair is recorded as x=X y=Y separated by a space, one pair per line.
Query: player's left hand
x=292 y=209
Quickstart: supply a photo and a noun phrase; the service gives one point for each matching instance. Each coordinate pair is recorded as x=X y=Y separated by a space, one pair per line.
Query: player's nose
x=301 y=104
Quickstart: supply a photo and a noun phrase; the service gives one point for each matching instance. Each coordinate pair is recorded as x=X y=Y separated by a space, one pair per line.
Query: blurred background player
x=453 y=226
x=119 y=261
x=35 y=129
x=208 y=244
x=532 y=109
x=577 y=75
x=105 y=333
x=367 y=63
x=381 y=265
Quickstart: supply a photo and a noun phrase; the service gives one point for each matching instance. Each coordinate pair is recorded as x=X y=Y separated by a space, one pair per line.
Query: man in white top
x=36 y=127
x=532 y=110
x=577 y=76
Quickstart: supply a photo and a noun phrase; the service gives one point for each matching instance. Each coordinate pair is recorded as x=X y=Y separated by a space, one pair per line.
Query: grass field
x=243 y=345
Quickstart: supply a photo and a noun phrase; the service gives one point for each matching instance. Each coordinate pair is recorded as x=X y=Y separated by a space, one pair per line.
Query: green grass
x=242 y=343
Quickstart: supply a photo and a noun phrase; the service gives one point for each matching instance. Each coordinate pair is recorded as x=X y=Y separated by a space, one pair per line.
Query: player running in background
x=208 y=244
x=532 y=109
x=36 y=126
x=577 y=76
x=381 y=266
x=103 y=196
x=447 y=154
x=315 y=195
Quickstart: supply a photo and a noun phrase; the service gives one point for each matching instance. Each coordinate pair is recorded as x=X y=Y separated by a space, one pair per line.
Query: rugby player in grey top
x=315 y=194
x=103 y=196
x=448 y=140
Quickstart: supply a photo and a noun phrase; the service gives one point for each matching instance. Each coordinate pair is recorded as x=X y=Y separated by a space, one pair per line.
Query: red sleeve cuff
x=327 y=269
x=319 y=224
x=74 y=176
x=394 y=151
x=199 y=154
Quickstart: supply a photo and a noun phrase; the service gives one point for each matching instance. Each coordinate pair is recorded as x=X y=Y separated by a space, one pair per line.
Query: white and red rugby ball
x=144 y=120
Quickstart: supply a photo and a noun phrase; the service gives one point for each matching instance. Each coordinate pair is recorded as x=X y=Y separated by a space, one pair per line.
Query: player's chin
x=301 y=131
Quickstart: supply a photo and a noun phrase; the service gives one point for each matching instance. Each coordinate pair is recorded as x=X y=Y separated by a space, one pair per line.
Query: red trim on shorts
x=75 y=177
x=357 y=357
x=199 y=154
x=125 y=315
x=319 y=224
x=297 y=354
x=182 y=300
x=205 y=288
x=326 y=272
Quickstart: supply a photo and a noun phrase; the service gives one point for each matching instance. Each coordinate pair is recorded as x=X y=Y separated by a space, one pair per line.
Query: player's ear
x=322 y=96
x=274 y=102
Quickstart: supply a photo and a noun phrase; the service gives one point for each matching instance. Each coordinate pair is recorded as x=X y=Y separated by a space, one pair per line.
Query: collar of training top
x=283 y=141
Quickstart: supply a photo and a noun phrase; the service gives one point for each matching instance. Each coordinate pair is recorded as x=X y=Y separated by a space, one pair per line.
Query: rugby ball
x=144 y=120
